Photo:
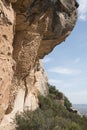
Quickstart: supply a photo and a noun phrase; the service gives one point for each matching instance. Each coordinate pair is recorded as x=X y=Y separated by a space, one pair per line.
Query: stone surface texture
x=29 y=30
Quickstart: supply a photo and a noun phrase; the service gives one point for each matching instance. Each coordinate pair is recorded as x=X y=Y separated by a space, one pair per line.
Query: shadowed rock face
x=29 y=29
x=52 y=20
x=41 y=25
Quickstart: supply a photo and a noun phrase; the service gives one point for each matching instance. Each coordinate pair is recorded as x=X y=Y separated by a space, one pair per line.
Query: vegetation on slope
x=51 y=115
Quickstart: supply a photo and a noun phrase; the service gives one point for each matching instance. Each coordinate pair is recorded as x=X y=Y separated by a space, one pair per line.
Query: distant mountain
x=82 y=108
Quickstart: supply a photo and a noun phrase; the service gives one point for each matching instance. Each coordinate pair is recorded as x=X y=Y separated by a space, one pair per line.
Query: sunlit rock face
x=6 y=61
x=29 y=30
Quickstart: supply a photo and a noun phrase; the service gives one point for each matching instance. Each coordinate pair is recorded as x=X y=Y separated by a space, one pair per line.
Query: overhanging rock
x=29 y=30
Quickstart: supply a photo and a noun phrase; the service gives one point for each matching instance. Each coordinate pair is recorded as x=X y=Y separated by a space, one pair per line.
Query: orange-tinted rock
x=6 y=61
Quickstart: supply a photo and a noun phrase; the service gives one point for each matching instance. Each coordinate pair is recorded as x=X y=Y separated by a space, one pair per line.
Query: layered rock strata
x=29 y=30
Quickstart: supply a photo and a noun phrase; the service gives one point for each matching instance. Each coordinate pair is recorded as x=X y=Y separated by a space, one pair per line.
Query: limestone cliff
x=29 y=29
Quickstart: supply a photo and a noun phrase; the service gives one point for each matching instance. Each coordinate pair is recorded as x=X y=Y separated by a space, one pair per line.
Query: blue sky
x=66 y=65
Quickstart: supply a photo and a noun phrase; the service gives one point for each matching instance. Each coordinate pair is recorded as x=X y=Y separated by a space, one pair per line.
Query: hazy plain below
x=82 y=108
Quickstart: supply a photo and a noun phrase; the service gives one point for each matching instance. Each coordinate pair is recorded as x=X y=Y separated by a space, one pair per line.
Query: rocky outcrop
x=6 y=61
x=29 y=29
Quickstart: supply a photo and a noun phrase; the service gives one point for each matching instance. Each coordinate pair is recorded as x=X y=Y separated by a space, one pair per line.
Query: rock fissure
x=26 y=89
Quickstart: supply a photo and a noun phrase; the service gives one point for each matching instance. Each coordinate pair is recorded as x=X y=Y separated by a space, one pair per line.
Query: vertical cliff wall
x=6 y=61
x=29 y=29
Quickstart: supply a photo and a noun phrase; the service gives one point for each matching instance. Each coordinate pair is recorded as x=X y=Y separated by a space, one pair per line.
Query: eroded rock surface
x=6 y=61
x=29 y=29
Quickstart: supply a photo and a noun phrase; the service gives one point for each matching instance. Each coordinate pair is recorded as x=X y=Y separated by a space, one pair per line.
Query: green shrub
x=74 y=126
x=67 y=103
x=50 y=115
x=29 y=120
